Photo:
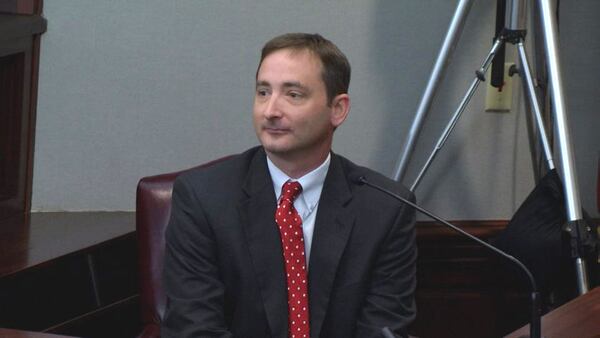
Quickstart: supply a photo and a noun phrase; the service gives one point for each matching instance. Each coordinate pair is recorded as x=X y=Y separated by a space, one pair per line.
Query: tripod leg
x=461 y=108
x=526 y=74
x=573 y=203
x=454 y=31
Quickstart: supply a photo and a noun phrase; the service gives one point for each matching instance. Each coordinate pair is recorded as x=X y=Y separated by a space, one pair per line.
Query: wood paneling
x=21 y=6
x=9 y=333
x=464 y=291
x=34 y=239
x=70 y=273
x=578 y=318
x=12 y=156
x=19 y=56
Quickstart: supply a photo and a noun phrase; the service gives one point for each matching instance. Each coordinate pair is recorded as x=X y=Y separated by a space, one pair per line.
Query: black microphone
x=497 y=72
x=535 y=326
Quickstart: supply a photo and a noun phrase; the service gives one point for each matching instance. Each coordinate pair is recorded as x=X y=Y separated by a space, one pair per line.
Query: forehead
x=290 y=63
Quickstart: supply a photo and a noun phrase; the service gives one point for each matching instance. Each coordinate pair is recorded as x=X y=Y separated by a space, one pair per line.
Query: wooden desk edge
x=11 y=333
x=549 y=319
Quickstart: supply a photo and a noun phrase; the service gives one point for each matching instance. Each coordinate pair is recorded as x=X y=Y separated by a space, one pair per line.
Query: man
x=280 y=241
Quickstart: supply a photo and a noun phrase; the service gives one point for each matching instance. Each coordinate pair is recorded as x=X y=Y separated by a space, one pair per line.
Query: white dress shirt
x=308 y=201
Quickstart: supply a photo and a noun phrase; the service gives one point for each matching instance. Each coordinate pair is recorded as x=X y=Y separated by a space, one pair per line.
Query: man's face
x=292 y=118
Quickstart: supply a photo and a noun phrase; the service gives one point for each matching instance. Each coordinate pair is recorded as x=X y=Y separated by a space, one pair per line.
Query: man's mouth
x=276 y=130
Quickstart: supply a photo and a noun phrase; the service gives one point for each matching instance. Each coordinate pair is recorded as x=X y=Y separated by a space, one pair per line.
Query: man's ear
x=340 y=106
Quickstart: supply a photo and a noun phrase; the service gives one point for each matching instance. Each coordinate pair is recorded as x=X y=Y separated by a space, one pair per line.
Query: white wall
x=130 y=88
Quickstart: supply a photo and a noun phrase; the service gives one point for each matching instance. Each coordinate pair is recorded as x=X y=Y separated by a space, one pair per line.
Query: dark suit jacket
x=224 y=270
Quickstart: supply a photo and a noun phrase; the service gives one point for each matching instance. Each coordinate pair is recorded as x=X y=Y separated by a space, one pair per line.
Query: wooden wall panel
x=464 y=291
x=21 y=6
x=19 y=63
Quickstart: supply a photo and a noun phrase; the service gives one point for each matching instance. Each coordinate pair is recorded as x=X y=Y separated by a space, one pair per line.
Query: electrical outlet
x=499 y=100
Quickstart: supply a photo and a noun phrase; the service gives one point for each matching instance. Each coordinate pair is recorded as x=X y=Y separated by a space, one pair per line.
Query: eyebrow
x=289 y=84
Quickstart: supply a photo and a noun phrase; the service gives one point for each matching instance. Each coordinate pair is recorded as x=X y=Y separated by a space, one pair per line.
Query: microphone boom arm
x=535 y=326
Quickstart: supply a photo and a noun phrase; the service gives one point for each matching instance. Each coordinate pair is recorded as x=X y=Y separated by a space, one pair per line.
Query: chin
x=274 y=146
x=275 y=149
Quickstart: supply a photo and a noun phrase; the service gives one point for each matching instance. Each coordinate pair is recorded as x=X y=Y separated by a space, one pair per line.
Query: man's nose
x=273 y=107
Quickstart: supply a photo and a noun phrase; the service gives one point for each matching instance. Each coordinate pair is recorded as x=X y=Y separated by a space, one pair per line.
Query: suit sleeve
x=195 y=293
x=390 y=297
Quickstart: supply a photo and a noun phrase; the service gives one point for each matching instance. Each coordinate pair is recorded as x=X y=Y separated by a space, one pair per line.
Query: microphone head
x=358 y=178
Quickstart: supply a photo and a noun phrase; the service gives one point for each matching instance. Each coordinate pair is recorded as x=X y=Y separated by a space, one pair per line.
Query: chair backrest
x=153 y=209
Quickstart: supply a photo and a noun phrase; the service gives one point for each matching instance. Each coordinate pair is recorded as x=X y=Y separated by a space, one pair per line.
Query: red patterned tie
x=292 y=242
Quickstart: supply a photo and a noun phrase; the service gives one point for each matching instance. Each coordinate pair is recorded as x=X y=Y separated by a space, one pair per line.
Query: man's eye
x=295 y=95
x=261 y=92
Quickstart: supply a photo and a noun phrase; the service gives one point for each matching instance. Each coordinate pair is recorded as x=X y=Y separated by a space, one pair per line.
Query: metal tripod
x=514 y=33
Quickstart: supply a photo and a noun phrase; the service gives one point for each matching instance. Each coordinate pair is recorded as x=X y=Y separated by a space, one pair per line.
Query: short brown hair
x=336 y=68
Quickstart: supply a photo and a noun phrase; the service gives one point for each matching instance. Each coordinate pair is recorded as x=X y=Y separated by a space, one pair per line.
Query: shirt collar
x=312 y=182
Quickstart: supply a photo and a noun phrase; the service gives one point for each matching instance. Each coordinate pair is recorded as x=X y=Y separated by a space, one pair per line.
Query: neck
x=298 y=167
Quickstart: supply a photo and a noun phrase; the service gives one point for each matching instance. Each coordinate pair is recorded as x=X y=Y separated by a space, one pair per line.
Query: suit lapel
x=257 y=216
x=333 y=226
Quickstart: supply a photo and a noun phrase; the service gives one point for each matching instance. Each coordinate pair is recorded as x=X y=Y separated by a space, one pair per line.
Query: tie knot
x=290 y=190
